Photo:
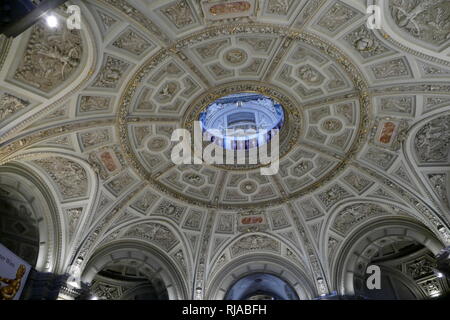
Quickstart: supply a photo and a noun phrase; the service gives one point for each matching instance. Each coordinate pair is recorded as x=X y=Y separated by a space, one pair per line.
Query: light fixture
x=435 y=294
x=94 y=298
x=52 y=21
x=437 y=273
x=74 y=284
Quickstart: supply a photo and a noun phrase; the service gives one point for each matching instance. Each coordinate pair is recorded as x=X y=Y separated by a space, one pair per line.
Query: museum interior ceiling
x=88 y=186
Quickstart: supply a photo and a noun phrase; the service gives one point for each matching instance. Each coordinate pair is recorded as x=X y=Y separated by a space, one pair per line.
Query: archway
x=274 y=267
x=29 y=221
x=128 y=279
x=133 y=270
x=405 y=253
x=261 y=286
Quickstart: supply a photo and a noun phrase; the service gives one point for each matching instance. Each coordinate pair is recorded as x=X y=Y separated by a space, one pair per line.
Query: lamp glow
x=52 y=21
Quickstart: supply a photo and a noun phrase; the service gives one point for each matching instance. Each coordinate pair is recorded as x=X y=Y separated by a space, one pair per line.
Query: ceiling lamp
x=16 y=16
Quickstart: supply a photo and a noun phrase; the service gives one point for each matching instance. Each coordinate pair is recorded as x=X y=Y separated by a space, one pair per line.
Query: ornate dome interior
x=86 y=121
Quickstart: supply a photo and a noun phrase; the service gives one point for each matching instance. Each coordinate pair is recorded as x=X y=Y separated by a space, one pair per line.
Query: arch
x=43 y=205
x=261 y=285
x=424 y=170
x=438 y=132
x=296 y=277
x=395 y=207
x=140 y=251
x=398 y=281
x=219 y=251
x=54 y=188
x=166 y=222
x=393 y=24
x=409 y=145
x=354 y=254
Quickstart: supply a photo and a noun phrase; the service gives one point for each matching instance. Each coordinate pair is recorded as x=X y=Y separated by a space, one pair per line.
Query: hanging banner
x=13 y=274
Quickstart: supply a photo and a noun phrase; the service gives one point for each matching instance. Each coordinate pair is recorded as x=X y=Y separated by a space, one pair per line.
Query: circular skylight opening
x=242 y=121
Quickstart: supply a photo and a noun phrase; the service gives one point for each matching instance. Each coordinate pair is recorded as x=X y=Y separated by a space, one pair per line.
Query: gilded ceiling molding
x=220 y=186
x=411 y=51
x=310 y=249
x=192 y=67
x=281 y=189
x=308 y=13
x=132 y=13
x=8 y=149
x=324 y=151
x=328 y=49
x=93 y=236
x=149 y=119
x=201 y=263
x=424 y=87
x=330 y=100
x=282 y=51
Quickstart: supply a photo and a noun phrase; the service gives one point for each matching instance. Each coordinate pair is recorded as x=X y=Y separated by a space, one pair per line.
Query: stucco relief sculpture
x=433 y=140
x=50 y=58
x=427 y=20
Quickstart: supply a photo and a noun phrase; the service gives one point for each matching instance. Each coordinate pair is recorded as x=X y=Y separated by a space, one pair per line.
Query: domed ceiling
x=366 y=135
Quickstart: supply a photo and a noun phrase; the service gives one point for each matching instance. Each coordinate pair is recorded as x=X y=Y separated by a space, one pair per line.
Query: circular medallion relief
x=193 y=179
x=310 y=75
x=364 y=44
x=332 y=125
x=248 y=187
x=235 y=56
x=157 y=144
